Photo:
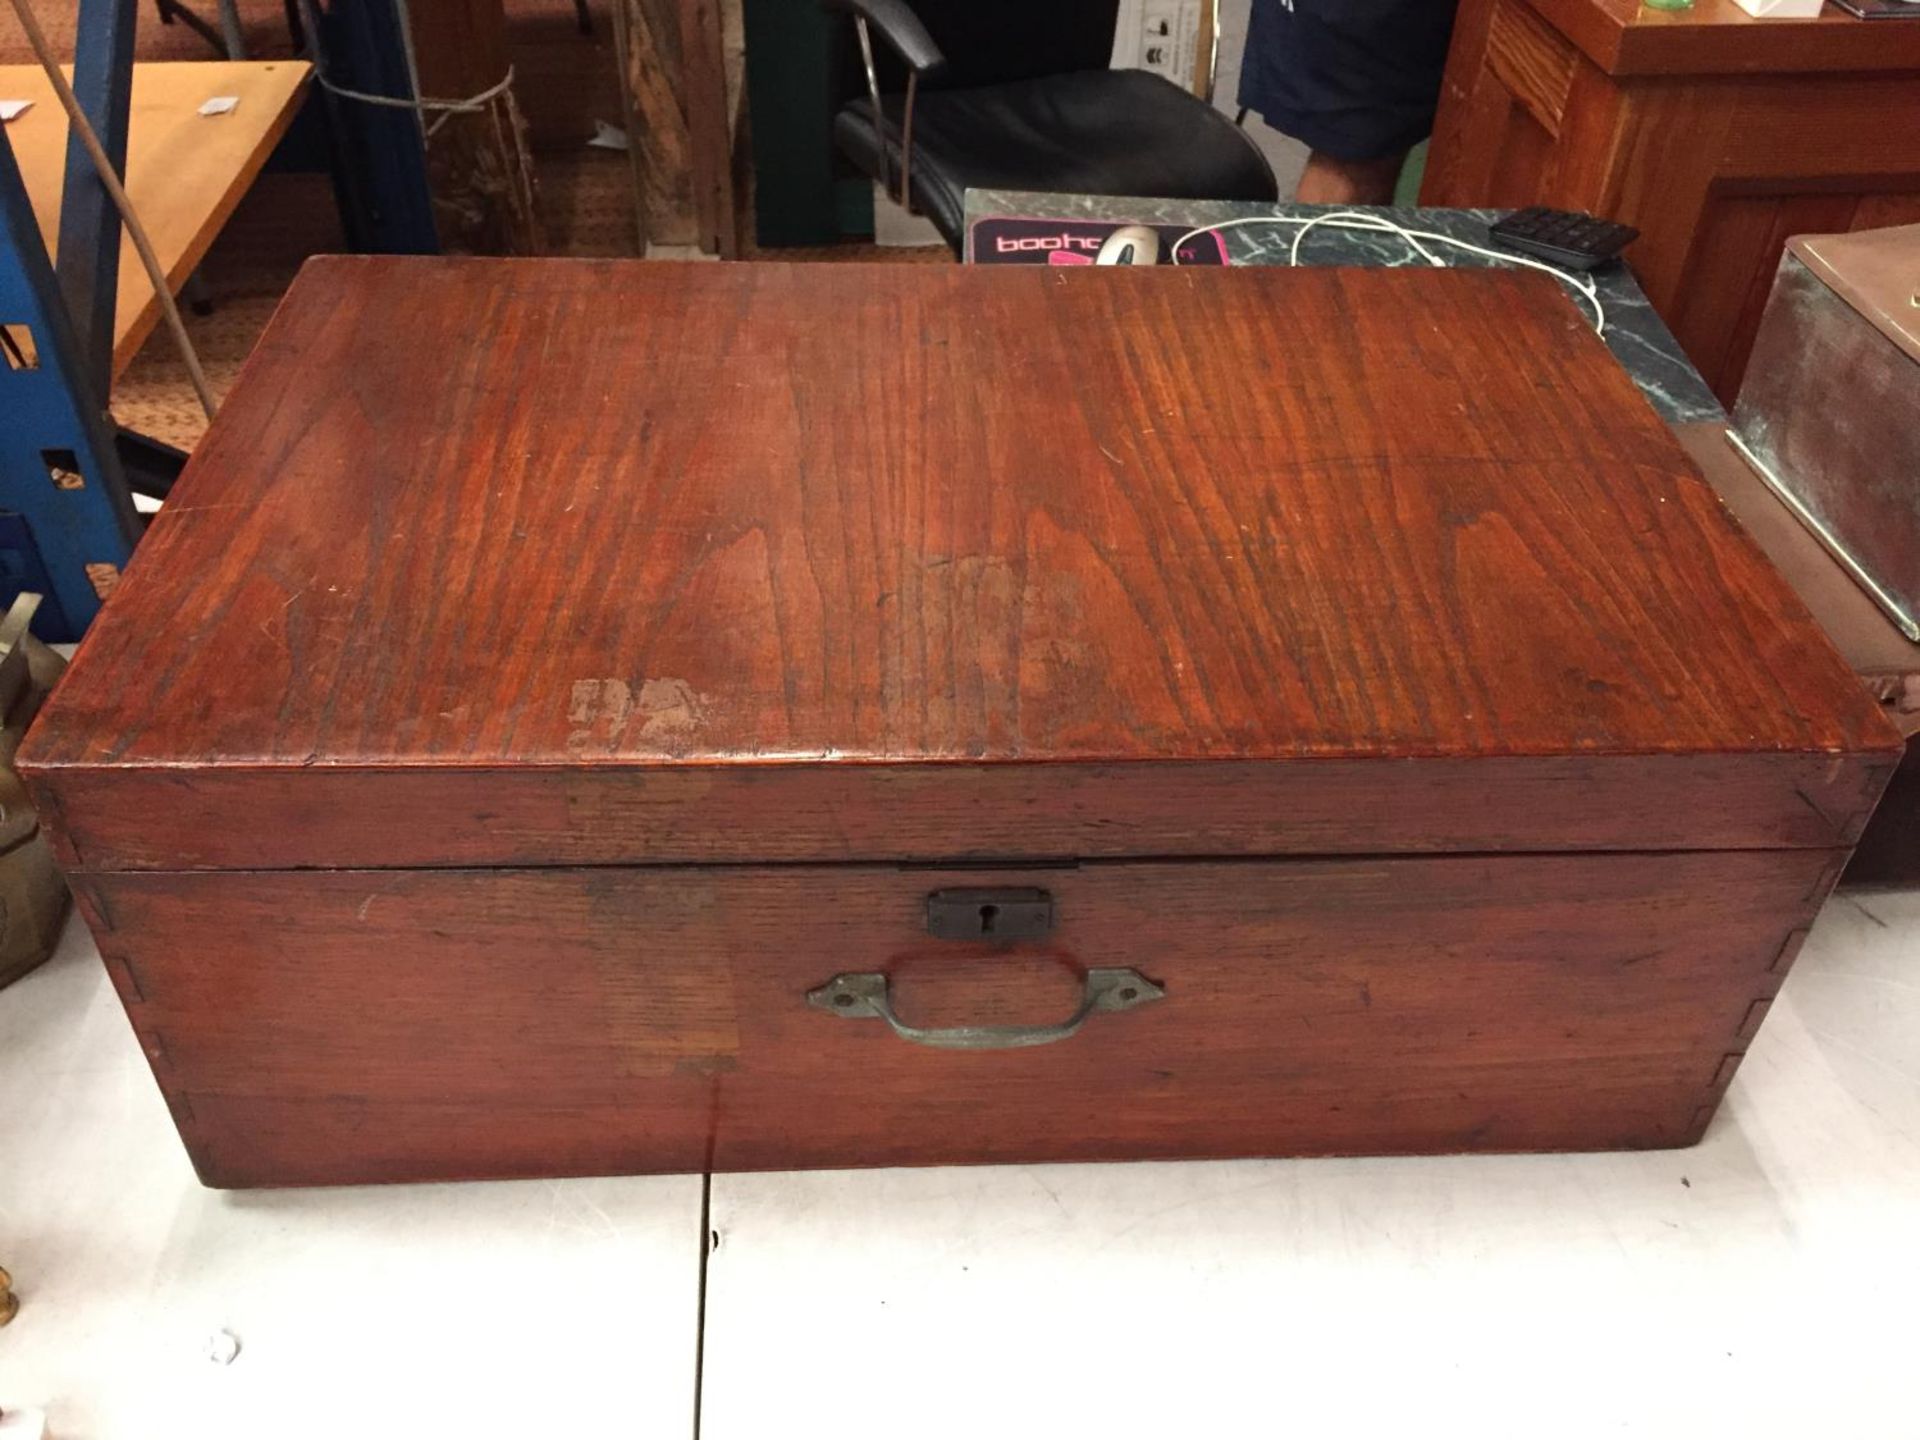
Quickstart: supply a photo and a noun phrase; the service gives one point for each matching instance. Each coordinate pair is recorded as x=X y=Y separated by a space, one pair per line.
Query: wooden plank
x=1668 y=140
x=185 y=172
x=1533 y=61
x=1470 y=132
x=322 y=1028
x=1523 y=161
x=1586 y=171
x=880 y=521
x=648 y=32
x=1457 y=156
x=1861 y=132
x=704 y=101
x=478 y=164
x=1717 y=37
x=1745 y=234
x=740 y=171
x=1879 y=212
x=1494 y=147
x=682 y=64
x=122 y=818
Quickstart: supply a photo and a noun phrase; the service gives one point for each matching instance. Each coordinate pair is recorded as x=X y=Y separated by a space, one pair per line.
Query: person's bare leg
x=1327 y=181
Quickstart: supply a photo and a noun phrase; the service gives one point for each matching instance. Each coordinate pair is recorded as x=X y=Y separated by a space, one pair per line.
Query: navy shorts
x=1354 y=79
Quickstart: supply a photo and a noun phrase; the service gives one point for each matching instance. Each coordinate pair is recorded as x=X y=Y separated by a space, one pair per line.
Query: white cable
x=103 y=167
x=1583 y=285
x=1358 y=220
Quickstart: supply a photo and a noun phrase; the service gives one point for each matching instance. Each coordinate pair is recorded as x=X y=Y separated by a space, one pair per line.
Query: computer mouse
x=1130 y=245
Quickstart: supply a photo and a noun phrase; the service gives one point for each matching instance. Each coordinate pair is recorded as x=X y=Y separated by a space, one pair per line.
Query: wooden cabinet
x=1716 y=134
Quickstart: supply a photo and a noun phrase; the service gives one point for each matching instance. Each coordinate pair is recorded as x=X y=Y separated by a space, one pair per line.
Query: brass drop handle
x=865 y=997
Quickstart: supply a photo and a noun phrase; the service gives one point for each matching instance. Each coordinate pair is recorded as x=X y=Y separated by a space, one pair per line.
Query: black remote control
x=1562 y=237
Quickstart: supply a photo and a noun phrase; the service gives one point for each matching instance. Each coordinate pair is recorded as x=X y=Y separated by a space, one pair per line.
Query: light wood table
x=185 y=171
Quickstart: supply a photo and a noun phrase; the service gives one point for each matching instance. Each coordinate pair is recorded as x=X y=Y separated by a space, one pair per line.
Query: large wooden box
x=568 y=707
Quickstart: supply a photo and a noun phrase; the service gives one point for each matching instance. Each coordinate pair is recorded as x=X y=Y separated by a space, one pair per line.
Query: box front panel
x=339 y=1027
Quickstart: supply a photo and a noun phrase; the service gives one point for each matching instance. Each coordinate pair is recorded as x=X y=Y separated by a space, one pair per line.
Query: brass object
x=9 y=1302
x=33 y=896
x=865 y=996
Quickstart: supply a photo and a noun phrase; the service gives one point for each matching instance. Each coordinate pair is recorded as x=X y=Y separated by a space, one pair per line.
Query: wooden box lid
x=528 y=562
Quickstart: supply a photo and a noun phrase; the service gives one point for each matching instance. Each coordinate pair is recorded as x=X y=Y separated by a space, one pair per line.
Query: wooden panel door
x=1716 y=171
x=1744 y=233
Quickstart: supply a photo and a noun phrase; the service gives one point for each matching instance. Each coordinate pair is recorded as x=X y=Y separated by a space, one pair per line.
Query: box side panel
x=1827 y=414
x=328 y=817
x=320 y=1028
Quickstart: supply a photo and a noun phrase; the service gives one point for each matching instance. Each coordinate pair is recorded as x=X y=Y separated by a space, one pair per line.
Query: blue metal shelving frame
x=67 y=519
x=67 y=474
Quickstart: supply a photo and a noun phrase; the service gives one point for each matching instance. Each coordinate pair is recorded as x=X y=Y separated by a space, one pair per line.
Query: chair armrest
x=902 y=28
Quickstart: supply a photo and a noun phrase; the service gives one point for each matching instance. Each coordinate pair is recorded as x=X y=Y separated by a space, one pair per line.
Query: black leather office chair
x=1084 y=131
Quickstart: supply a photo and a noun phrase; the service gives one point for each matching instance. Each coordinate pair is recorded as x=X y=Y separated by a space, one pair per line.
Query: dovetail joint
x=1789 y=948
x=129 y=978
x=94 y=908
x=1824 y=882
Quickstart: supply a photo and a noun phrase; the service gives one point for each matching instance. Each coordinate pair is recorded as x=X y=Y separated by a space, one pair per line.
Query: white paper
x=607 y=137
x=14 y=109
x=219 y=104
x=1158 y=35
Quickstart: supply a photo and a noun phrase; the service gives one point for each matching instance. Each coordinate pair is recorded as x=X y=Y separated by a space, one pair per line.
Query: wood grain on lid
x=479 y=513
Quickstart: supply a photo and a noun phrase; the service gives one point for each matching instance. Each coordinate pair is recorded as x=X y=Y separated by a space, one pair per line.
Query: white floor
x=526 y=1309
x=1761 y=1284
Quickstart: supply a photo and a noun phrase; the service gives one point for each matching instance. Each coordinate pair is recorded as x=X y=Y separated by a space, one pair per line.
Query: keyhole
x=988 y=915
